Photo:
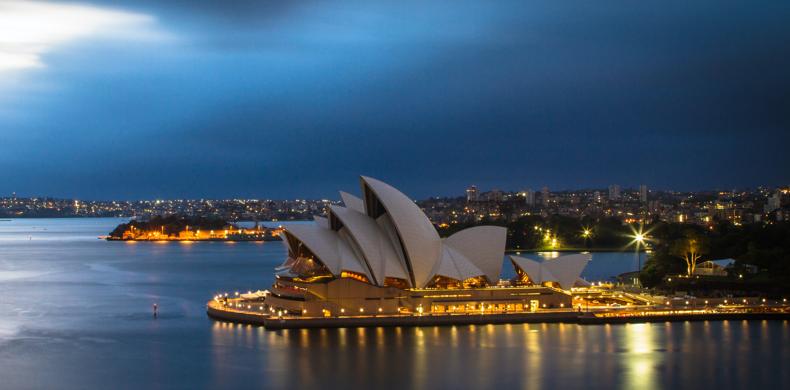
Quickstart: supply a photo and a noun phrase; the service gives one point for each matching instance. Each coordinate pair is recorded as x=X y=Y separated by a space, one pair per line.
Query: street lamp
x=639 y=239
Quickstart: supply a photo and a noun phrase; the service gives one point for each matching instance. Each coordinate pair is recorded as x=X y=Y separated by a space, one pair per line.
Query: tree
x=658 y=265
x=690 y=248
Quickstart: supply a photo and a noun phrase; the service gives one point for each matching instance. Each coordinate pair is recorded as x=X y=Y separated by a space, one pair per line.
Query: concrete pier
x=215 y=310
x=411 y=319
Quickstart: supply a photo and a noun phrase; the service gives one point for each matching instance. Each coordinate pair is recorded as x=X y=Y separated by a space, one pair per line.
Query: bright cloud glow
x=30 y=29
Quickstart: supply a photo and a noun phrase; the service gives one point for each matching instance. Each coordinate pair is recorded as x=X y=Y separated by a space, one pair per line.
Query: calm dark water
x=76 y=313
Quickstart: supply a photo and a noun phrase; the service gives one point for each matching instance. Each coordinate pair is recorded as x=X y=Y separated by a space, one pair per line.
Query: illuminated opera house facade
x=380 y=254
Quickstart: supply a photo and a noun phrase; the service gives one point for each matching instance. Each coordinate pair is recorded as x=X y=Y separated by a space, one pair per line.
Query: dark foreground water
x=76 y=313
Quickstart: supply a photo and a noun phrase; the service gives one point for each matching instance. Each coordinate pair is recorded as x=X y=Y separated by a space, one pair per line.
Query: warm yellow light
x=639 y=237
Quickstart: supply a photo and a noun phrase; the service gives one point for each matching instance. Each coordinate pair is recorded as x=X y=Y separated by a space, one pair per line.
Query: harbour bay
x=77 y=313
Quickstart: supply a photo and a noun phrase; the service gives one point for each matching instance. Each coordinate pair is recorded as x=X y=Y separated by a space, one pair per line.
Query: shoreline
x=570 y=316
x=277 y=239
x=591 y=250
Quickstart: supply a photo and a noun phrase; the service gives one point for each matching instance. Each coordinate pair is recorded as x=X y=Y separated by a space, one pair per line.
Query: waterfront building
x=714 y=267
x=381 y=254
x=643 y=194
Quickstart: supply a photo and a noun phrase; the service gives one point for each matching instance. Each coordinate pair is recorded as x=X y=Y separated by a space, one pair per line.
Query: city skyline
x=172 y=100
x=536 y=193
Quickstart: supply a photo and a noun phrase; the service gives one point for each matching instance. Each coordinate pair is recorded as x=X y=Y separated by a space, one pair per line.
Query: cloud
x=29 y=30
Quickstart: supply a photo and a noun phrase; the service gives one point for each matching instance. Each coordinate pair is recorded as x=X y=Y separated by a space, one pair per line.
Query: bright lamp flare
x=639 y=237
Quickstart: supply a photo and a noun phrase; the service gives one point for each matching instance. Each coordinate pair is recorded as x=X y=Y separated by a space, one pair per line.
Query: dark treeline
x=765 y=246
x=170 y=225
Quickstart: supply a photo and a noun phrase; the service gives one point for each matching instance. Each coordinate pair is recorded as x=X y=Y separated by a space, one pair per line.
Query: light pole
x=639 y=239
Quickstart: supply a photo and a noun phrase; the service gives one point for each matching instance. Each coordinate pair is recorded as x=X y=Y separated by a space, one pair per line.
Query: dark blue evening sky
x=147 y=99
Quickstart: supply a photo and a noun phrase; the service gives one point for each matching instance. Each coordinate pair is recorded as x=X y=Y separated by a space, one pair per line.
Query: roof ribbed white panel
x=567 y=268
x=385 y=222
x=581 y=283
x=392 y=265
x=321 y=222
x=423 y=245
x=530 y=267
x=365 y=231
x=285 y=241
x=352 y=202
x=352 y=256
x=322 y=242
x=446 y=266
x=465 y=267
x=547 y=275
x=483 y=246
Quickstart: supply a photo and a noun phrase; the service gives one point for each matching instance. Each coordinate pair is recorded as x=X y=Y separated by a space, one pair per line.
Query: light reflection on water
x=76 y=314
x=634 y=356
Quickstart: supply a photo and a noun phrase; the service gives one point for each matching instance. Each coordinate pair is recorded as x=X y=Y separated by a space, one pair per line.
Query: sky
x=175 y=99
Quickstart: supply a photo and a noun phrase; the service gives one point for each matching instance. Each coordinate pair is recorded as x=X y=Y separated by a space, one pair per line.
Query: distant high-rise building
x=643 y=193
x=773 y=203
x=529 y=198
x=496 y=195
x=614 y=191
x=472 y=195
x=597 y=196
x=545 y=196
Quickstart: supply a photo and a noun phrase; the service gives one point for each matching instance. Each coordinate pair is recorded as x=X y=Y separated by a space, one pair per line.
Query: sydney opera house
x=380 y=254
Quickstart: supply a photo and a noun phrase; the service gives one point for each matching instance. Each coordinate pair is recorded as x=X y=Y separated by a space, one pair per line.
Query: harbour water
x=77 y=313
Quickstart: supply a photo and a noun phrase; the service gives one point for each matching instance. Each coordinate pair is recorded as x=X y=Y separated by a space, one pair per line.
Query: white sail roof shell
x=322 y=242
x=581 y=283
x=455 y=265
x=373 y=243
x=399 y=240
x=328 y=245
x=530 y=267
x=349 y=255
x=393 y=267
x=422 y=242
x=564 y=270
x=321 y=222
x=385 y=223
x=483 y=246
x=352 y=202
x=446 y=266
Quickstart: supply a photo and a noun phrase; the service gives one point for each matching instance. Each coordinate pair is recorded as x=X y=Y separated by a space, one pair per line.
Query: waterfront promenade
x=256 y=312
